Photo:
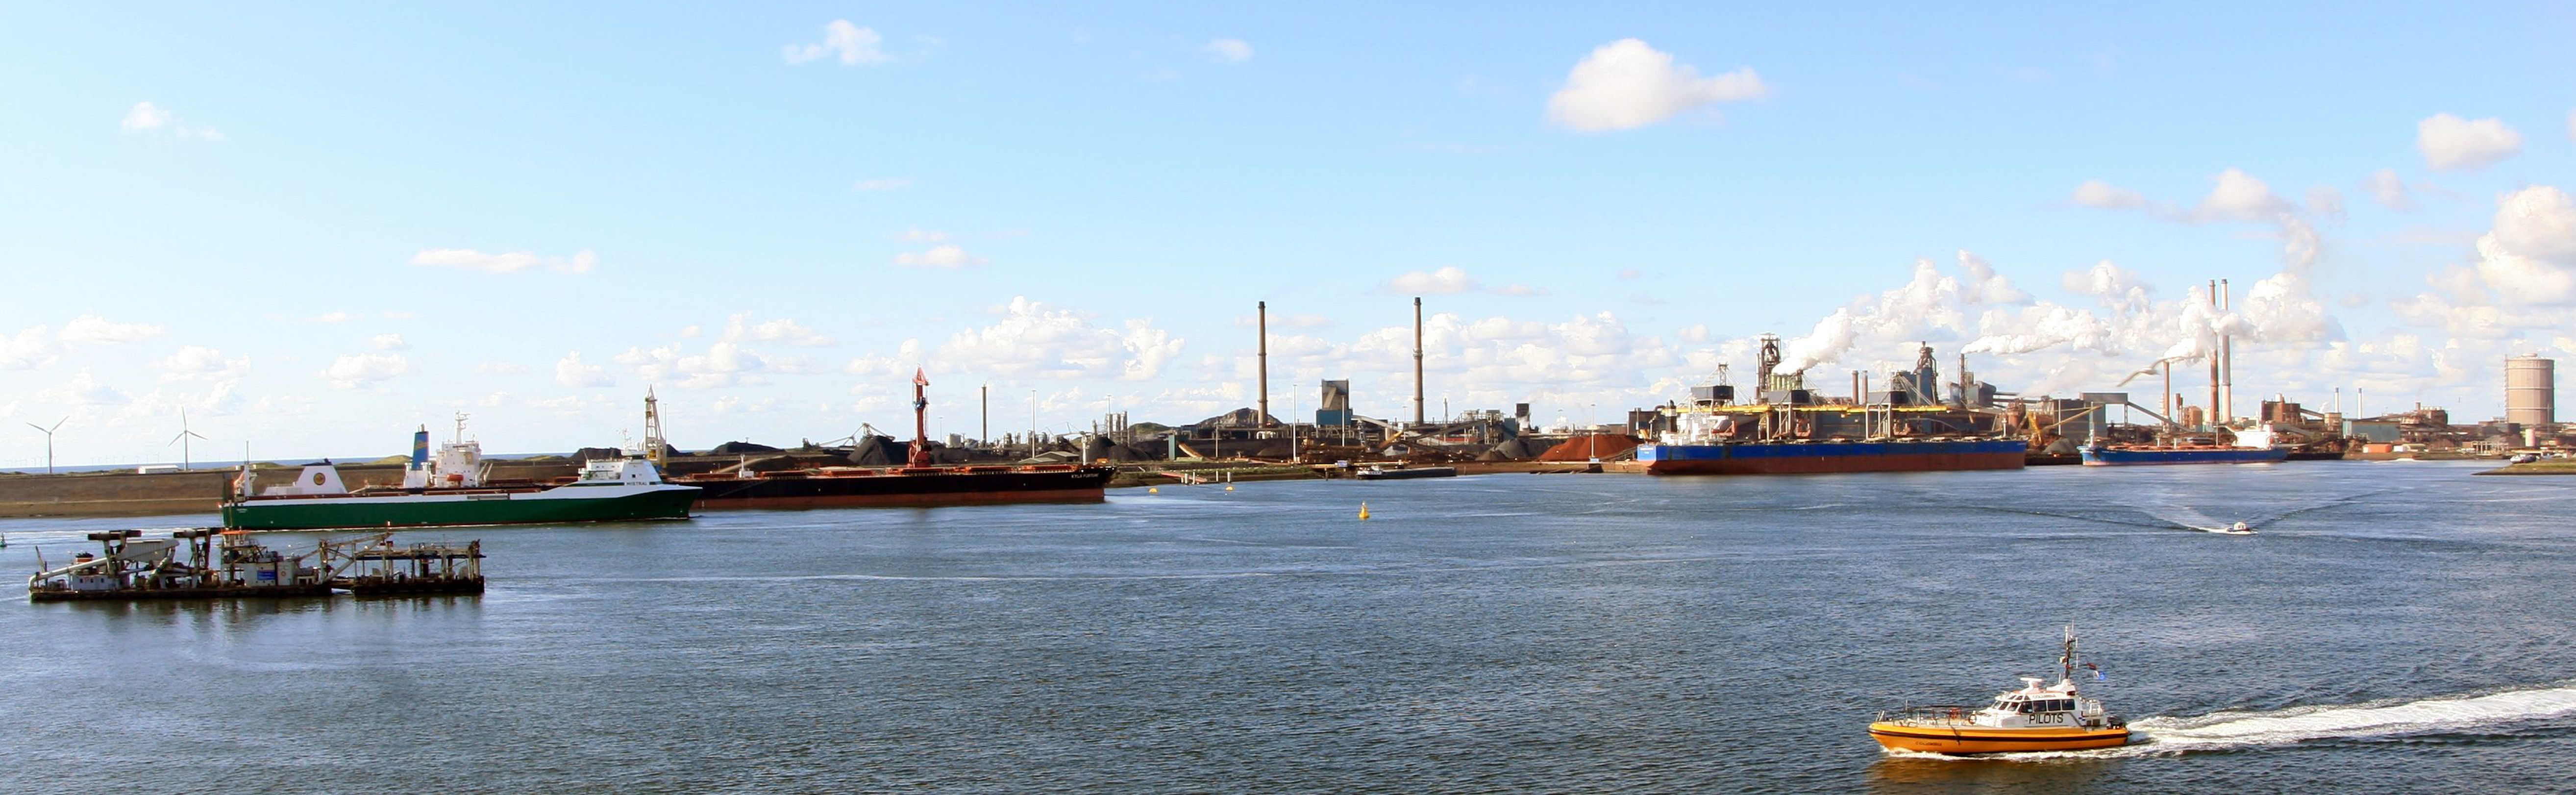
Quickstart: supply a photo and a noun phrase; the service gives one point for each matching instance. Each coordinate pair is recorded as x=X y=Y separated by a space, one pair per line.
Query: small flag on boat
x=2097 y=671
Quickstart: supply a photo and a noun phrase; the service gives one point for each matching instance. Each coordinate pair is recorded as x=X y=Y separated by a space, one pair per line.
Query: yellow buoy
x=1153 y=489
x=1363 y=511
x=1229 y=487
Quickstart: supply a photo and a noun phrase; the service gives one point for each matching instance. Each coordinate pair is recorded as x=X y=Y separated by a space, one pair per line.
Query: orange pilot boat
x=2033 y=718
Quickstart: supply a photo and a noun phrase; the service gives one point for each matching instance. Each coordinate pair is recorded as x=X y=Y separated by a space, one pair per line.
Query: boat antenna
x=2066 y=662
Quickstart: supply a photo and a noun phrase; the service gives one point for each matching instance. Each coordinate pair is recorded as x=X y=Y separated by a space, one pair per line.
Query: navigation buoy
x=1229 y=487
x=1153 y=489
x=1363 y=511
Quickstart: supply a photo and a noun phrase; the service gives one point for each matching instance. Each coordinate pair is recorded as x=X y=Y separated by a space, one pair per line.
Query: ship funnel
x=420 y=447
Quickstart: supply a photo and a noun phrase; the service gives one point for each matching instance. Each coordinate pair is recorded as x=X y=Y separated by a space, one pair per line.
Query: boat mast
x=2066 y=662
x=653 y=443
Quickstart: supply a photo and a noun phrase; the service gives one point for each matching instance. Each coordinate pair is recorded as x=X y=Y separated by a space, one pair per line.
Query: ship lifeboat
x=2032 y=718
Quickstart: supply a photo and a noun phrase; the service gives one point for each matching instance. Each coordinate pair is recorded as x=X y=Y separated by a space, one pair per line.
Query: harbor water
x=2390 y=626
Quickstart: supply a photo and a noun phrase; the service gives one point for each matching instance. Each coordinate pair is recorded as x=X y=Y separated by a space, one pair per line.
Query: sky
x=314 y=227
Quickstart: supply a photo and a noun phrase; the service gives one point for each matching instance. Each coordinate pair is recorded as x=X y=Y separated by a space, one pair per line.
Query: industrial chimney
x=1263 y=326
x=1417 y=361
x=2213 y=362
x=2227 y=355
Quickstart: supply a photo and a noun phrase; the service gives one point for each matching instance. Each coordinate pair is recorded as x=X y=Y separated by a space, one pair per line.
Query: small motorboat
x=1406 y=473
x=2032 y=718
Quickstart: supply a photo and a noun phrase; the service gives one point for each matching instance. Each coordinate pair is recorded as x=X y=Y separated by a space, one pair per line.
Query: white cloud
x=1451 y=280
x=2239 y=196
x=198 y=362
x=567 y=404
x=2450 y=142
x=1036 y=340
x=2096 y=193
x=83 y=390
x=739 y=327
x=1626 y=84
x=2530 y=257
x=572 y=371
x=333 y=317
x=351 y=371
x=99 y=330
x=2109 y=283
x=2326 y=203
x=31 y=348
x=1521 y=290
x=501 y=368
x=145 y=116
x=1227 y=51
x=882 y=183
x=2389 y=190
x=849 y=43
x=388 y=342
x=920 y=235
x=948 y=256
x=724 y=364
x=511 y=262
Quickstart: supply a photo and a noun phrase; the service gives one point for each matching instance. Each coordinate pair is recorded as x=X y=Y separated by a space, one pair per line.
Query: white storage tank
x=2531 y=391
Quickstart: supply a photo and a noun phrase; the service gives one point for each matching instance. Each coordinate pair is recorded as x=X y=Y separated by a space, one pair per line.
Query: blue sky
x=313 y=228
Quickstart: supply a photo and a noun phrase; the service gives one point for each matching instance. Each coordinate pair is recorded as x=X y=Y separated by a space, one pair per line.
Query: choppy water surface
x=2391 y=626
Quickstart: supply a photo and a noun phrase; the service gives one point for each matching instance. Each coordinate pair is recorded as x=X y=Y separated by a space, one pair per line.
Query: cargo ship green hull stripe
x=413 y=512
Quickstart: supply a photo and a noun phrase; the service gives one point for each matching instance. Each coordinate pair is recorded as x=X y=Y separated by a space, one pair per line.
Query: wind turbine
x=49 y=442
x=186 y=462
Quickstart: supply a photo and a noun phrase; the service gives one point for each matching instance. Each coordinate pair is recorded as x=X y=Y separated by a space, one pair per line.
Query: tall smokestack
x=2213 y=363
x=1263 y=308
x=1963 y=379
x=2227 y=355
x=1417 y=361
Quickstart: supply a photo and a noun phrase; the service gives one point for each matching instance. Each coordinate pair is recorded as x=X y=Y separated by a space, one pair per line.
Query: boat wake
x=2240 y=730
x=2223 y=730
x=2188 y=519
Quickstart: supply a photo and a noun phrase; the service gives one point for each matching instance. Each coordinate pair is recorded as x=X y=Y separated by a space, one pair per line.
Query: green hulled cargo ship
x=451 y=491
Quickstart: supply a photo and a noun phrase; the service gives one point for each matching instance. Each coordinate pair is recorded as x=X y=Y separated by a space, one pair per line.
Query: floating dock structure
x=383 y=569
x=216 y=565
x=213 y=563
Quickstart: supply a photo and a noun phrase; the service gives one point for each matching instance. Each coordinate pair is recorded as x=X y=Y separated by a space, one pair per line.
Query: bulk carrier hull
x=925 y=486
x=436 y=508
x=2155 y=456
x=1789 y=458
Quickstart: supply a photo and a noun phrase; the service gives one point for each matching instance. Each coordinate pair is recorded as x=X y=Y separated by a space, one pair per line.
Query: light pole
x=1292 y=428
x=1591 y=414
x=49 y=441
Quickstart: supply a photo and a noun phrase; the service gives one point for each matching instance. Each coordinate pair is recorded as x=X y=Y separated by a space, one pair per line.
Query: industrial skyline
x=313 y=231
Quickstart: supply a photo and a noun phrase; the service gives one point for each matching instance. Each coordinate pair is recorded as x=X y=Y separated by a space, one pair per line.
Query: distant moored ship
x=451 y=490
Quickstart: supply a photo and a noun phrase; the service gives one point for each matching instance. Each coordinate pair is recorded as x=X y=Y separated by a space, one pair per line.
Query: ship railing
x=1931 y=715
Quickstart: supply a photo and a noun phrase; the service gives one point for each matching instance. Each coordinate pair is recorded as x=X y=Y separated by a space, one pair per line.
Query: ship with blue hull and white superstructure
x=1797 y=457
x=1790 y=430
